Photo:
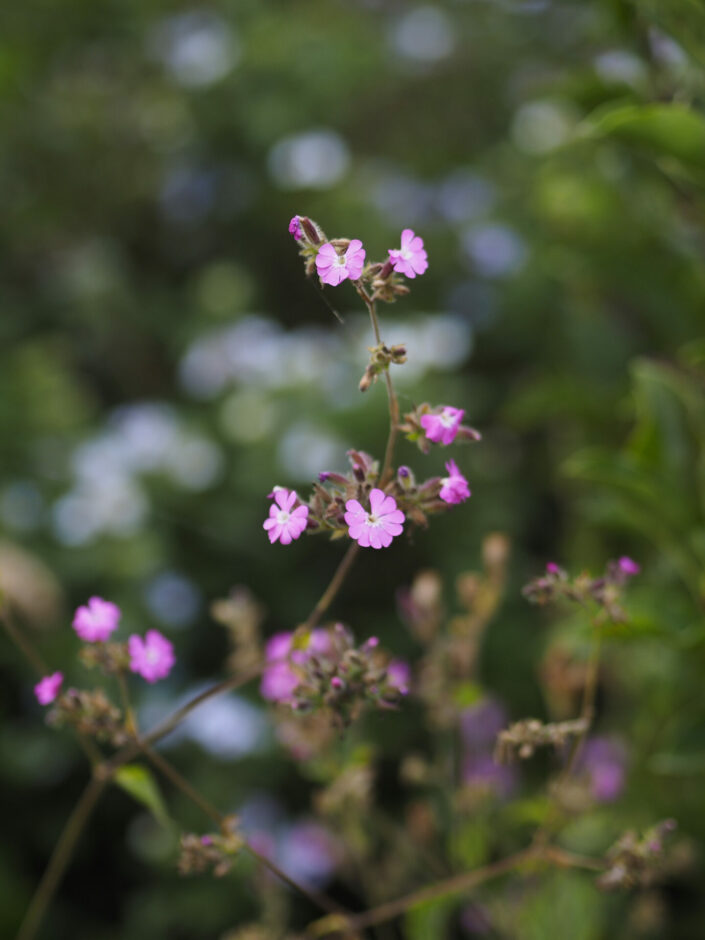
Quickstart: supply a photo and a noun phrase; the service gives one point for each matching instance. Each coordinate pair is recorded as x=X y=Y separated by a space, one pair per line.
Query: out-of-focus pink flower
x=295 y=228
x=454 y=487
x=399 y=675
x=552 y=568
x=96 y=620
x=280 y=678
x=628 y=566
x=151 y=657
x=47 y=688
x=479 y=727
x=334 y=268
x=285 y=523
x=310 y=853
x=411 y=259
x=376 y=528
x=604 y=762
x=441 y=428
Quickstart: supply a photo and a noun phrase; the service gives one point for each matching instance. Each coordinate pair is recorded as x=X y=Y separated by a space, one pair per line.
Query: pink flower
x=151 y=657
x=399 y=675
x=279 y=678
x=378 y=527
x=552 y=567
x=411 y=259
x=454 y=488
x=97 y=620
x=285 y=523
x=628 y=566
x=441 y=428
x=48 y=688
x=334 y=268
x=295 y=228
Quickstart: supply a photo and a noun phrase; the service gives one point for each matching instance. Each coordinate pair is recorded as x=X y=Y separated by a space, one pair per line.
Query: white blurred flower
x=316 y=159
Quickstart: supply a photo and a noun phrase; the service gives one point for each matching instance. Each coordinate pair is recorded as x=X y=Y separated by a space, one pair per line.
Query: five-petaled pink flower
x=441 y=428
x=454 y=487
x=334 y=268
x=151 y=657
x=47 y=688
x=411 y=259
x=96 y=620
x=376 y=528
x=285 y=523
x=295 y=228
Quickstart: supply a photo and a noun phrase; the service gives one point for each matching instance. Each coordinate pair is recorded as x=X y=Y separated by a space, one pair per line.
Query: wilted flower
x=441 y=428
x=333 y=268
x=285 y=523
x=376 y=528
x=97 y=620
x=151 y=657
x=47 y=688
x=454 y=487
x=411 y=259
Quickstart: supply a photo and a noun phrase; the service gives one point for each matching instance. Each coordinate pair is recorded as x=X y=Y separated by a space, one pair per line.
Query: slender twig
x=457 y=884
x=169 y=771
x=60 y=858
x=336 y=583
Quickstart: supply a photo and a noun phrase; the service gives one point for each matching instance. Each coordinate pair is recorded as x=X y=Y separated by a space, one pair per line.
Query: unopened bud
x=310 y=229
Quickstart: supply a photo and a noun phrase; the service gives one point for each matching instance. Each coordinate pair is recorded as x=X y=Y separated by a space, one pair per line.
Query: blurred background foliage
x=163 y=363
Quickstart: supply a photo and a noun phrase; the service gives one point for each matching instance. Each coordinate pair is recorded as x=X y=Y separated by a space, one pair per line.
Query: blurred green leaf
x=139 y=782
x=673 y=133
x=429 y=919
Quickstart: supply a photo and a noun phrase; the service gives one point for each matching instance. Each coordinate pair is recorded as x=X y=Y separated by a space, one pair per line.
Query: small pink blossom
x=97 y=620
x=454 y=487
x=295 y=228
x=151 y=657
x=411 y=259
x=47 y=688
x=441 y=428
x=552 y=568
x=334 y=268
x=378 y=527
x=628 y=566
x=285 y=523
x=399 y=675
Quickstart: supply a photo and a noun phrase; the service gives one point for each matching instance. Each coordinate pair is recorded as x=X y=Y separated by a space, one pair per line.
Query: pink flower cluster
x=280 y=678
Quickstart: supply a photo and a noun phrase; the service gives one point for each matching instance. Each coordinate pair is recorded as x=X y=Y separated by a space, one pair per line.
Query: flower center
x=341 y=260
x=447 y=419
x=152 y=656
x=283 y=517
x=406 y=254
x=373 y=521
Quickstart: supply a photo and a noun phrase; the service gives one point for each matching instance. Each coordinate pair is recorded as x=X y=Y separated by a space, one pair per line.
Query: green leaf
x=672 y=133
x=139 y=782
x=676 y=765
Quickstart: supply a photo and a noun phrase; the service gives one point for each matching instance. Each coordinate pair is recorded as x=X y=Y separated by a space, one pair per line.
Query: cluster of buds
x=522 y=738
x=91 y=713
x=328 y=671
x=604 y=591
x=440 y=424
x=636 y=860
x=385 y=283
x=110 y=658
x=381 y=357
x=212 y=852
x=309 y=237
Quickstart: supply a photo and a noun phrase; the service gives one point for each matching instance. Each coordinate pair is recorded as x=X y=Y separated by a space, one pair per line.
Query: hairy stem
x=391 y=394
x=60 y=858
x=336 y=583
